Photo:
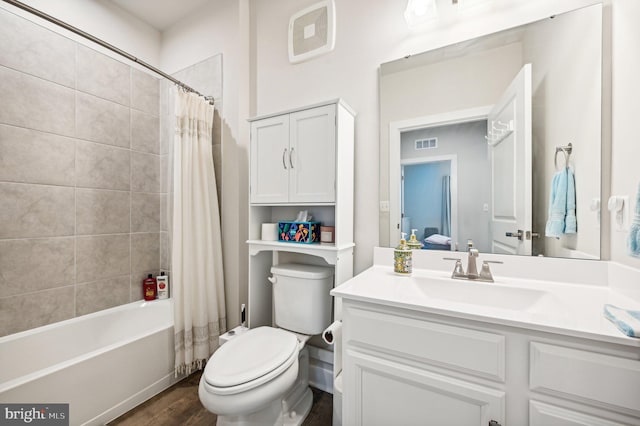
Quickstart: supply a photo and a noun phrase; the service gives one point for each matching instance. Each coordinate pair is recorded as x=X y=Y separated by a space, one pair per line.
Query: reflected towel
x=562 y=205
x=633 y=240
x=626 y=320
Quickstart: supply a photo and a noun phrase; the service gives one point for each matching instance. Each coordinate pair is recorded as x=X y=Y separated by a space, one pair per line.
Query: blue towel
x=562 y=205
x=626 y=320
x=633 y=240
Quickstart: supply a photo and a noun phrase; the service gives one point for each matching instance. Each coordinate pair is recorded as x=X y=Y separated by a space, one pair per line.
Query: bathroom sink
x=480 y=294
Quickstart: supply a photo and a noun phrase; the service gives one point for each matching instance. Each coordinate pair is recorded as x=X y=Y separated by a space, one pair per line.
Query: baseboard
x=321 y=369
x=135 y=400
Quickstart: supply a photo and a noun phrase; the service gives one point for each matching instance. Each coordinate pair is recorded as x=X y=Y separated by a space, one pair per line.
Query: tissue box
x=299 y=232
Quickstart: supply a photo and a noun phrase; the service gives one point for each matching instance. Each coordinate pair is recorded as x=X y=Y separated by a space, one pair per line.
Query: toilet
x=261 y=377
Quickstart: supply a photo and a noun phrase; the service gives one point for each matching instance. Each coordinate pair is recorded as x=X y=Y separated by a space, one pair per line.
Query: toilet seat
x=250 y=360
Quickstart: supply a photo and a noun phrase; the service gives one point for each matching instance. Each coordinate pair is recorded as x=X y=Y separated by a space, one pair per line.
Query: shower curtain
x=196 y=251
x=445 y=220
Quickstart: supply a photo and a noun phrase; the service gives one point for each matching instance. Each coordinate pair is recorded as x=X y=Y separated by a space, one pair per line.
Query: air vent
x=429 y=143
x=312 y=31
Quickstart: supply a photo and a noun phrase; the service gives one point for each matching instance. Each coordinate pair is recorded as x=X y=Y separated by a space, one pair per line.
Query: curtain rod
x=104 y=44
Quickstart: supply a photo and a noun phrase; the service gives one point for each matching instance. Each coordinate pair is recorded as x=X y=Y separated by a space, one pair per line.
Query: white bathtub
x=102 y=364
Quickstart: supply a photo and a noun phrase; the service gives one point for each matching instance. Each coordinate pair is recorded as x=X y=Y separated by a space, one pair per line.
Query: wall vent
x=312 y=31
x=429 y=143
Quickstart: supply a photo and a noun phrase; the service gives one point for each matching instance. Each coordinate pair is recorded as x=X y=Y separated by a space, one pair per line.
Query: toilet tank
x=301 y=299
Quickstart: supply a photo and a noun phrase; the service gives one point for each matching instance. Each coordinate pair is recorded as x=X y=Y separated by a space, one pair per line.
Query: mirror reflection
x=475 y=141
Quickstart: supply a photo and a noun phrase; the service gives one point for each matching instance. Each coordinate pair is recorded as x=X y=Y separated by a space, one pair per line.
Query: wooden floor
x=179 y=405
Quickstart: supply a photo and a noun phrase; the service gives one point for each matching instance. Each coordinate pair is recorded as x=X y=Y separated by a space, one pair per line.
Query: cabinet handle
x=284 y=153
x=291 y=161
x=494 y=423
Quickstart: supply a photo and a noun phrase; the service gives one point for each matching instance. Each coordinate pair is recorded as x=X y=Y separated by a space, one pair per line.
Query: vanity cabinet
x=408 y=367
x=293 y=157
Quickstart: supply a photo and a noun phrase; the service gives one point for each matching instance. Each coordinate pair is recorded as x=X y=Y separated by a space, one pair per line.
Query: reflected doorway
x=429 y=200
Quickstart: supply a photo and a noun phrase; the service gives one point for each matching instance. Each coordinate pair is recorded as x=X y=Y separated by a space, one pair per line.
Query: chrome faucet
x=472 y=269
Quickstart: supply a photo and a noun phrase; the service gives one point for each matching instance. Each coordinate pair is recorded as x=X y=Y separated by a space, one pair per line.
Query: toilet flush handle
x=273 y=280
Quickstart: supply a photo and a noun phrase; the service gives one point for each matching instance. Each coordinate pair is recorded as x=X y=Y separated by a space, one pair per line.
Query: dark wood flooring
x=180 y=405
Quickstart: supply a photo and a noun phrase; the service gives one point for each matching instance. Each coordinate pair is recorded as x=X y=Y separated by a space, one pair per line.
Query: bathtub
x=101 y=364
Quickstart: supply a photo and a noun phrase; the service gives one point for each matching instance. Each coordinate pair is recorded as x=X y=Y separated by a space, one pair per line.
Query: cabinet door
x=541 y=414
x=270 y=160
x=378 y=391
x=312 y=156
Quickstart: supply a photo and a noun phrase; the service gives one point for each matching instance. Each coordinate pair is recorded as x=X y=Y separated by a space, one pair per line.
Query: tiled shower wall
x=79 y=178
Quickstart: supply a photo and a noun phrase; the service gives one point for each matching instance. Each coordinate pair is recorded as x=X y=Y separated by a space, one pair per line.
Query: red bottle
x=149 y=288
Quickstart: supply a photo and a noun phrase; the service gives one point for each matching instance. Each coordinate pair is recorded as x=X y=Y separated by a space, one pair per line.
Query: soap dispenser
x=402 y=259
x=413 y=242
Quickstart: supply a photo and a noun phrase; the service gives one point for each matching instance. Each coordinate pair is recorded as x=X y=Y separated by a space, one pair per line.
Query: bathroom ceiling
x=160 y=14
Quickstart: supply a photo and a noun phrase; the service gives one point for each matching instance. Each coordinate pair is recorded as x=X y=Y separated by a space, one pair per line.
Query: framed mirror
x=495 y=139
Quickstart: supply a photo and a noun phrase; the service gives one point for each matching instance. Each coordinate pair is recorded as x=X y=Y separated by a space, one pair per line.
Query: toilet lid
x=250 y=356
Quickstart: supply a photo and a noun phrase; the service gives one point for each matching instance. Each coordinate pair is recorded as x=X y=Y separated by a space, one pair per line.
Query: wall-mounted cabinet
x=293 y=157
x=301 y=159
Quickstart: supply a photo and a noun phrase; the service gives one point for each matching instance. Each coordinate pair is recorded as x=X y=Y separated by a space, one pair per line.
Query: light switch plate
x=384 y=206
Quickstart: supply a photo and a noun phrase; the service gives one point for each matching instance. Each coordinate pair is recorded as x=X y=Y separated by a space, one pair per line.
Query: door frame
x=396 y=128
x=453 y=186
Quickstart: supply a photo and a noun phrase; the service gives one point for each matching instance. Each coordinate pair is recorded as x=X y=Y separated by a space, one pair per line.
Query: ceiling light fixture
x=419 y=12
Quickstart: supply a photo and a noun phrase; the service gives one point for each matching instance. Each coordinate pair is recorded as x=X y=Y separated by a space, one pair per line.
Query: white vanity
x=533 y=348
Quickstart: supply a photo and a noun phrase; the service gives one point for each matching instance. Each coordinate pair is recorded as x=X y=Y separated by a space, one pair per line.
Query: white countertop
x=570 y=309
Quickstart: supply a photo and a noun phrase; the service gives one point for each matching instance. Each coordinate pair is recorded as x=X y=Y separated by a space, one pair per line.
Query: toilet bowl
x=259 y=378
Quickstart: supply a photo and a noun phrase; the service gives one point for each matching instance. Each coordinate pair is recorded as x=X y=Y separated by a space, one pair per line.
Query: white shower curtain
x=196 y=251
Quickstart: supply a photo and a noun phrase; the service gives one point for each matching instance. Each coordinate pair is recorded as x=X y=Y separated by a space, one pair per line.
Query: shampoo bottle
x=149 y=288
x=163 y=286
x=402 y=260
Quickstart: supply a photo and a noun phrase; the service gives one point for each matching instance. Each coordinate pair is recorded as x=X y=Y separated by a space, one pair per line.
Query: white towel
x=626 y=320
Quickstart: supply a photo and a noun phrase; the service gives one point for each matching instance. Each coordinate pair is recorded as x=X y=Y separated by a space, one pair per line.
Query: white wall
x=101 y=19
x=368 y=34
x=625 y=176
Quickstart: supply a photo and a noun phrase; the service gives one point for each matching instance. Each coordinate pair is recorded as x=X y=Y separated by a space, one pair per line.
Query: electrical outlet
x=384 y=206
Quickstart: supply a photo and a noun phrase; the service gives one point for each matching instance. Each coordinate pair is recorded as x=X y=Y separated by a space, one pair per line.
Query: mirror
x=469 y=147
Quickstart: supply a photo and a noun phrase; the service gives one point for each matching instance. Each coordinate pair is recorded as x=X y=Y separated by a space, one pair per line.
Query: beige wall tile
x=103 y=76
x=100 y=257
x=164 y=251
x=35 y=50
x=35 y=103
x=103 y=294
x=100 y=211
x=36 y=264
x=36 y=157
x=145 y=172
x=103 y=121
x=101 y=166
x=145 y=92
x=145 y=254
x=145 y=212
x=164 y=212
x=145 y=132
x=19 y=313
x=35 y=211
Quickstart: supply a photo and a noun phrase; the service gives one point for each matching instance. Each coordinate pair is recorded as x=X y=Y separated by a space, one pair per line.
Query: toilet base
x=289 y=410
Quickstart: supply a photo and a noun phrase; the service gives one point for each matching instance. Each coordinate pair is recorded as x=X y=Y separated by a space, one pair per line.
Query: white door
x=270 y=160
x=509 y=133
x=312 y=156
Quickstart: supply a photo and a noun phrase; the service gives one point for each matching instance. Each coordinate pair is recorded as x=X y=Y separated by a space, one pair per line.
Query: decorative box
x=299 y=232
